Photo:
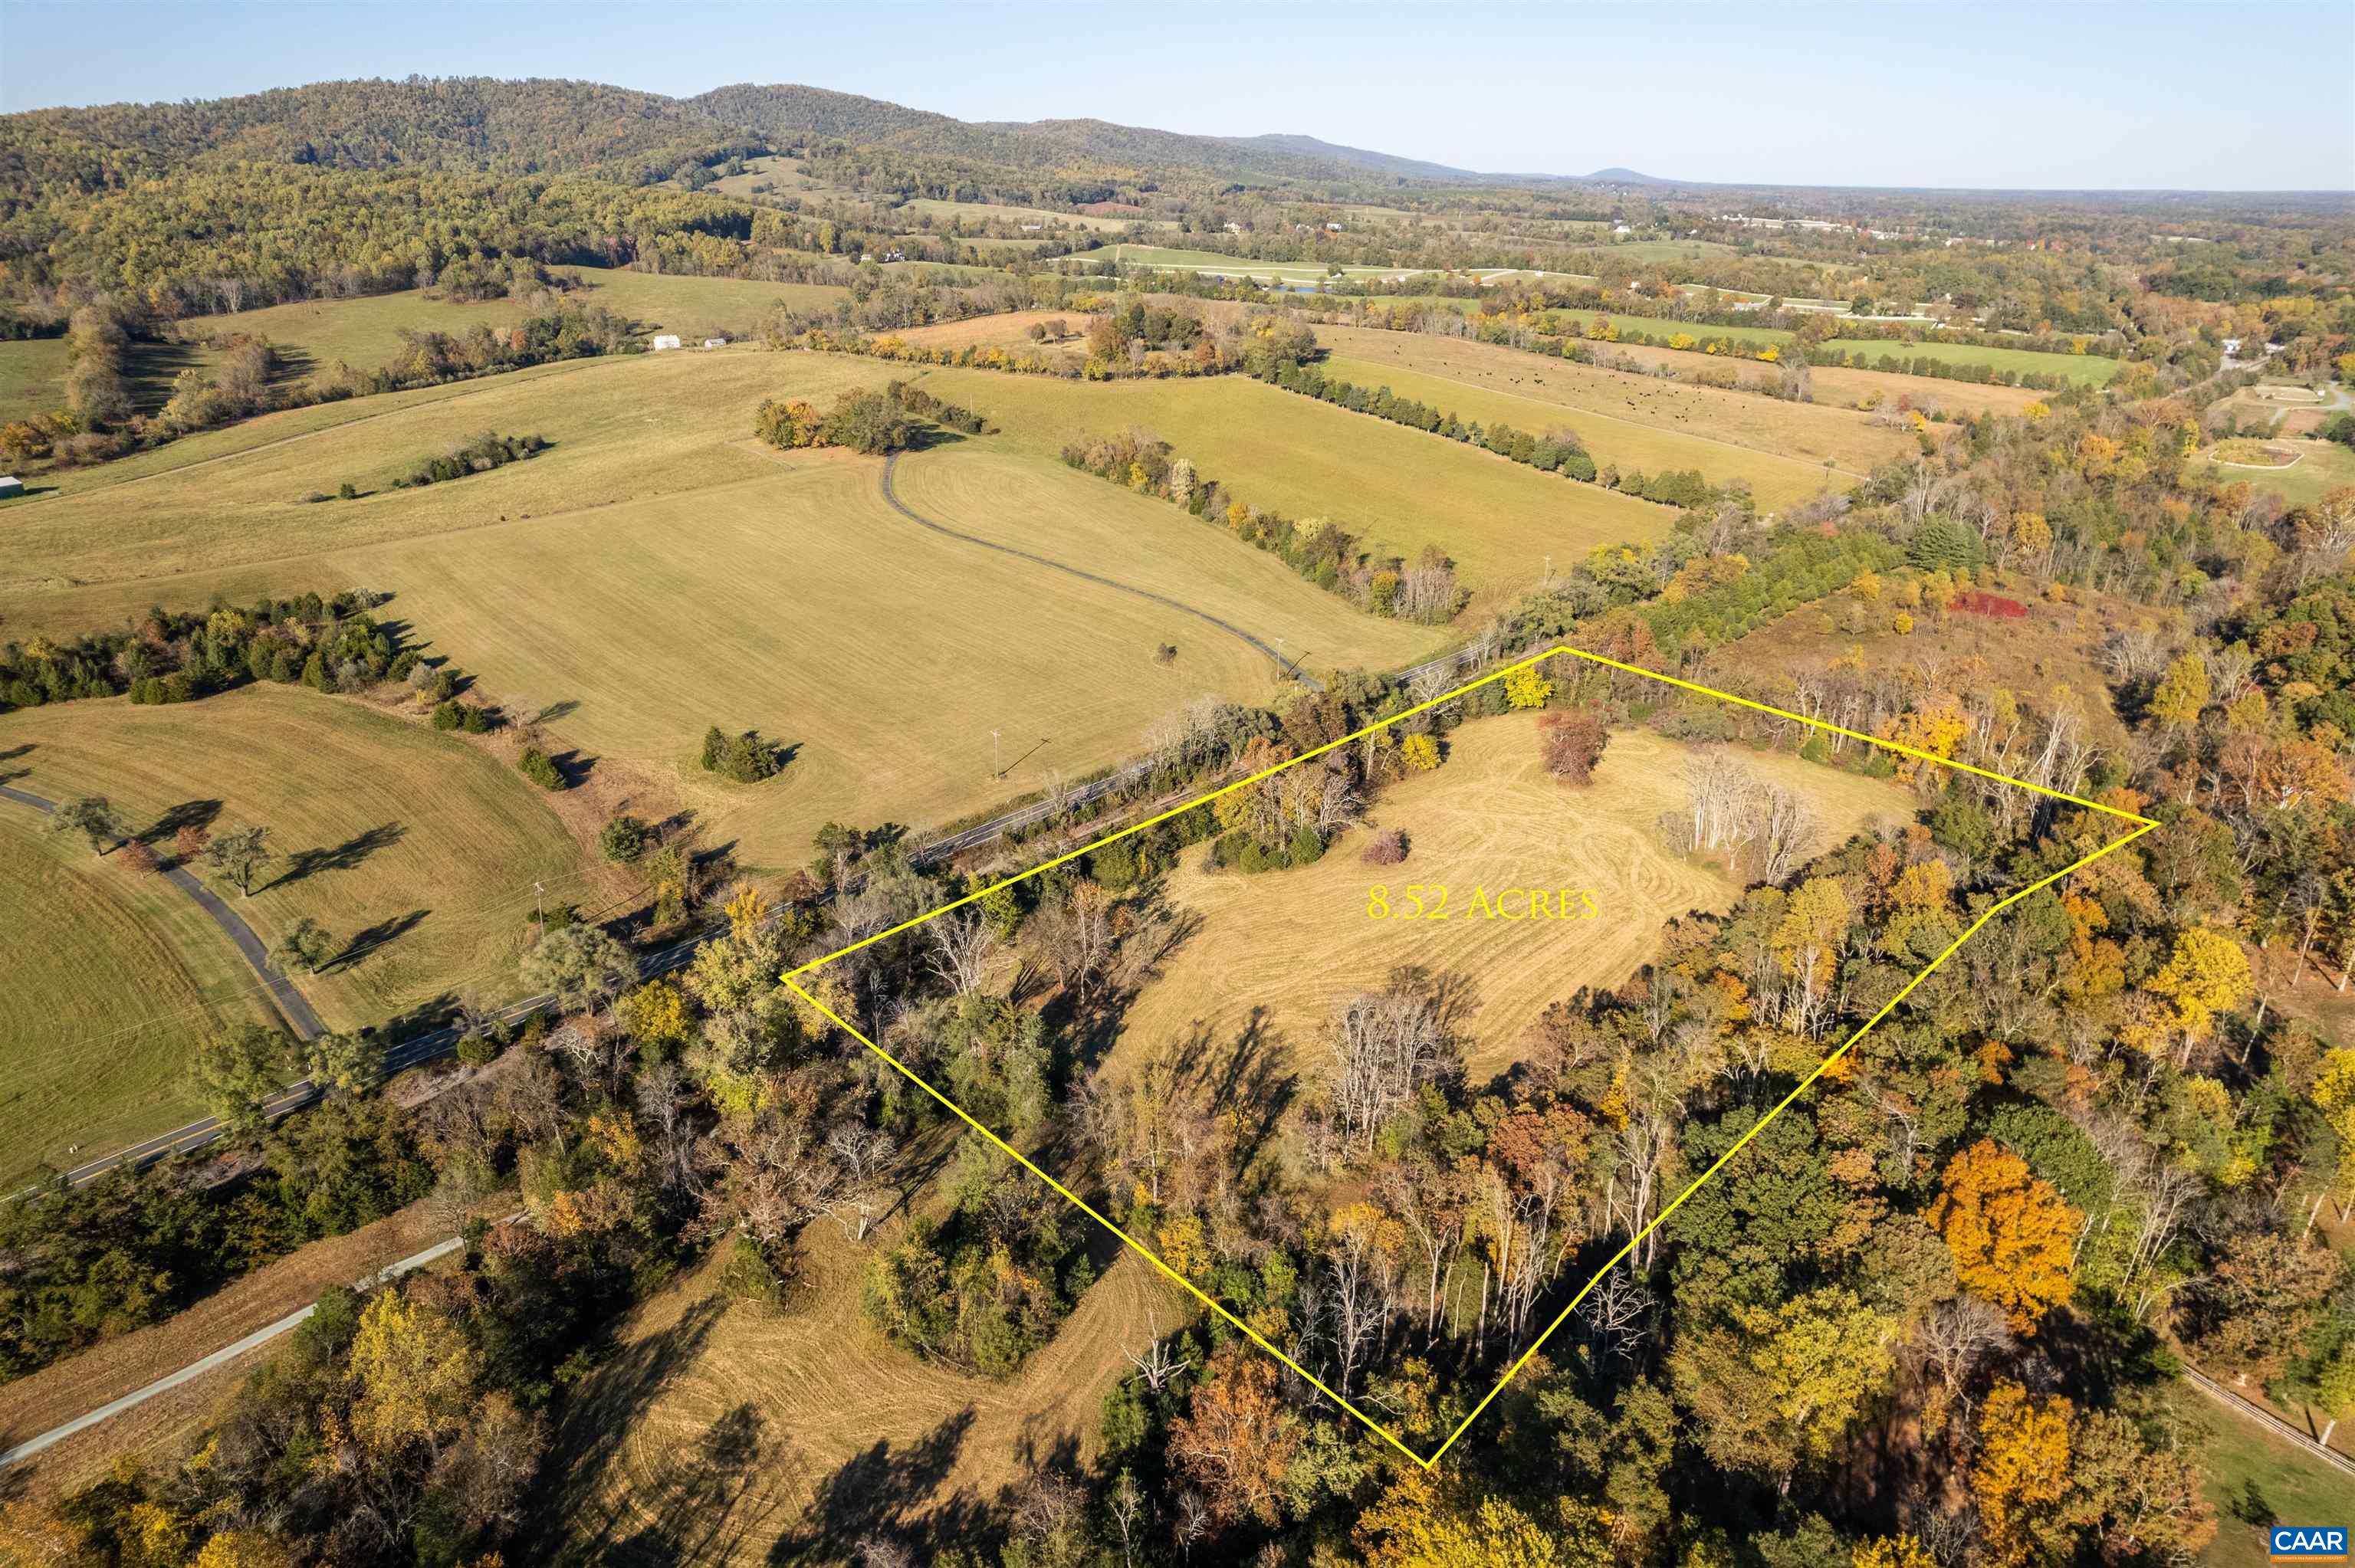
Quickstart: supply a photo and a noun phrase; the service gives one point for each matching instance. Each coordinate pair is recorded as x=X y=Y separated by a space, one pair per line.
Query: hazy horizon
x=2080 y=98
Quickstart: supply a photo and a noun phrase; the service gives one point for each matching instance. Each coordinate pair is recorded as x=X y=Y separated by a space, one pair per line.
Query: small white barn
x=10 y=485
x=715 y=343
x=666 y=340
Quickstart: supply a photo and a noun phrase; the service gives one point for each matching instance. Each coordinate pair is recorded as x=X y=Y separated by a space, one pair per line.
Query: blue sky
x=2059 y=95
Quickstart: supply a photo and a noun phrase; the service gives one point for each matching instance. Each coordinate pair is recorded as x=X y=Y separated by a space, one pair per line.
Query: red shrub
x=1978 y=602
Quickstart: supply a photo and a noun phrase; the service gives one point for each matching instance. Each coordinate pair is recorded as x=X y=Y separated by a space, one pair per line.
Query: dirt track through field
x=1229 y=626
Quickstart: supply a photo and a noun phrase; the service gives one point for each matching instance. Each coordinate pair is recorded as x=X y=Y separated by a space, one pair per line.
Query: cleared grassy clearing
x=2300 y=1487
x=1399 y=488
x=366 y=333
x=2280 y=409
x=111 y=981
x=2318 y=467
x=416 y=849
x=32 y=375
x=1777 y=481
x=2084 y=369
x=1278 y=950
x=621 y=429
x=984 y=212
x=1010 y=331
x=800 y=604
x=717 y=1435
x=1803 y=434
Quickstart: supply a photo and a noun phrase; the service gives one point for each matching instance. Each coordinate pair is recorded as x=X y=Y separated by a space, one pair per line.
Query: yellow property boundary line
x=791 y=979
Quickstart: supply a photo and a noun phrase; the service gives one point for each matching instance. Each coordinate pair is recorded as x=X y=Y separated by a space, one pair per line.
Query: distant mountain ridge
x=1356 y=157
x=544 y=125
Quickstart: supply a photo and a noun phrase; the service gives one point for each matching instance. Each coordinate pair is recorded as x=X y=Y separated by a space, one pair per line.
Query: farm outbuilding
x=666 y=340
x=10 y=485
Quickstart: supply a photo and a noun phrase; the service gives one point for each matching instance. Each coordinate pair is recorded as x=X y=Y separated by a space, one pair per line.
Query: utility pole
x=1279 y=657
x=540 y=902
x=996 y=772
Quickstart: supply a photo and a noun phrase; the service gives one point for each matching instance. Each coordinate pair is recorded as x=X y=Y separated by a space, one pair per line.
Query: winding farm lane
x=292 y=1003
x=423 y=1048
x=1288 y=666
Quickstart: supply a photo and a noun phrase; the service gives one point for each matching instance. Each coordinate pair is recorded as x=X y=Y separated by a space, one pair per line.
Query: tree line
x=1319 y=548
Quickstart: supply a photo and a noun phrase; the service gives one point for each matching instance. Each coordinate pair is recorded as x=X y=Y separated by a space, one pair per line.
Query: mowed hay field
x=366 y=333
x=2084 y=369
x=1837 y=387
x=799 y=603
x=109 y=980
x=1397 y=488
x=418 y=849
x=1534 y=396
x=1285 y=948
x=1630 y=422
x=619 y=429
x=716 y=1435
x=1010 y=331
x=658 y=570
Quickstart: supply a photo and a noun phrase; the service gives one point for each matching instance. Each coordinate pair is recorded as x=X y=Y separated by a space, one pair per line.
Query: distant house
x=1619 y=228
x=10 y=485
x=1234 y=229
x=715 y=343
x=1332 y=229
x=667 y=340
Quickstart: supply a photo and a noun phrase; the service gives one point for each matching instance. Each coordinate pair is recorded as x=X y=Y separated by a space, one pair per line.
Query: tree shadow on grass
x=562 y=709
x=574 y=765
x=346 y=857
x=375 y=939
x=621 y=1395
x=712 y=1494
x=198 y=814
x=869 y=1497
x=9 y=775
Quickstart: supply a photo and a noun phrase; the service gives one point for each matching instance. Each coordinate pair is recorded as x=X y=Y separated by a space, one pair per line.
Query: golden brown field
x=416 y=849
x=1285 y=946
x=1839 y=387
x=1730 y=425
x=1397 y=488
x=716 y=1434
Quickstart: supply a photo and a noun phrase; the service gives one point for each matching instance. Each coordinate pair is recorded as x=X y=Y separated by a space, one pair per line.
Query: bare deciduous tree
x=963 y=945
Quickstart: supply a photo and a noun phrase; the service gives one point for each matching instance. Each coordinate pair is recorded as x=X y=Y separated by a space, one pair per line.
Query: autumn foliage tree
x=2010 y=1234
x=1239 y=1438
x=1571 y=744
